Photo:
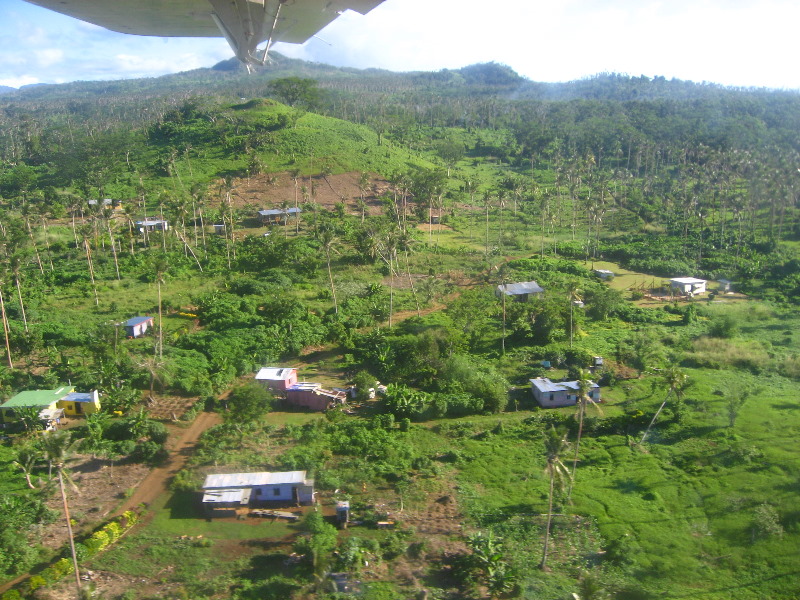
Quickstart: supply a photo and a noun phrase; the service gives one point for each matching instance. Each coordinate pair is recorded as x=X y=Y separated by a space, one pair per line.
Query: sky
x=749 y=43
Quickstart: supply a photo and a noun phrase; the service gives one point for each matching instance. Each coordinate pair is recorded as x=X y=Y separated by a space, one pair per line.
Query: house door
x=295 y=497
x=78 y=408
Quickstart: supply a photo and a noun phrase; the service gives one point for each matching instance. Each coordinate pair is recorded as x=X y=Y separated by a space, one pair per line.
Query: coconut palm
x=676 y=381
x=59 y=449
x=555 y=444
x=584 y=399
x=329 y=240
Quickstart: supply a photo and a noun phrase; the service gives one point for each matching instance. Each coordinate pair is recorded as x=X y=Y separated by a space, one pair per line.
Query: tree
x=676 y=381
x=488 y=559
x=296 y=90
x=555 y=444
x=58 y=449
x=248 y=403
x=584 y=386
x=329 y=240
x=27 y=457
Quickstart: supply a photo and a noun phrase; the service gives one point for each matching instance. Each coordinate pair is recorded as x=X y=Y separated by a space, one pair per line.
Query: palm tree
x=555 y=444
x=676 y=381
x=573 y=297
x=584 y=385
x=160 y=268
x=329 y=241
x=59 y=448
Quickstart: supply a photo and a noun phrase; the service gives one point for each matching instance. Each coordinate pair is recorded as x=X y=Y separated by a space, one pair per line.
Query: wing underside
x=298 y=19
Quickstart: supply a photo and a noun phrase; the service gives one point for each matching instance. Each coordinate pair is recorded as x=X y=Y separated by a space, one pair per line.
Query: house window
x=552 y=397
x=258 y=491
x=276 y=492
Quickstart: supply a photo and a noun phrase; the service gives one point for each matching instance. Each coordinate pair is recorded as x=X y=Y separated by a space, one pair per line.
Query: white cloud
x=16 y=82
x=49 y=57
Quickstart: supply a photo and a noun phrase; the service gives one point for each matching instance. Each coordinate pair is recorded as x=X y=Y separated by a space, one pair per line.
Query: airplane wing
x=244 y=23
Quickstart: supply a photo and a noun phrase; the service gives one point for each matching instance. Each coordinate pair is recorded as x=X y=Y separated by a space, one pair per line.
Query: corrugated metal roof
x=544 y=385
x=275 y=373
x=687 y=280
x=81 y=397
x=242 y=480
x=516 y=289
x=38 y=397
x=136 y=321
x=240 y=495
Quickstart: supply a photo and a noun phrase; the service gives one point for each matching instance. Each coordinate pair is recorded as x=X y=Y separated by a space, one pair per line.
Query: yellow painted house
x=63 y=400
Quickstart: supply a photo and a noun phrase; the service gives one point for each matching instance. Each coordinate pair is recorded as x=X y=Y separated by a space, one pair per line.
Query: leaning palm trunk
x=69 y=531
x=655 y=416
x=6 y=332
x=543 y=564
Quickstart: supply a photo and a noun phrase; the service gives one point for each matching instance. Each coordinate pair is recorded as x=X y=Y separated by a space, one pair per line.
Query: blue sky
x=732 y=42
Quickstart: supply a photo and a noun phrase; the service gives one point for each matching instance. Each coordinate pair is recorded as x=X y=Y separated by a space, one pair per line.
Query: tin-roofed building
x=52 y=404
x=550 y=394
x=312 y=395
x=278 y=215
x=223 y=494
x=137 y=326
x=277 y=379
x=152 y=225
x=688 y=285
x=521 y=292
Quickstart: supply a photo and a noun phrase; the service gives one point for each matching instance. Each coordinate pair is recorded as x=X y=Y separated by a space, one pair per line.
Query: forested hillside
x=402 y=201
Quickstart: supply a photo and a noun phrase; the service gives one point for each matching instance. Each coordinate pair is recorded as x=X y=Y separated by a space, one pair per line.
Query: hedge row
x=84 y=550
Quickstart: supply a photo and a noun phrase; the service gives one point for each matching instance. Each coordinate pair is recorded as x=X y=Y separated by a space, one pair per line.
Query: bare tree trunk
x=91 y=271
x=6 y=329
x=543 y=564
x=69 y=531
x=21 y=304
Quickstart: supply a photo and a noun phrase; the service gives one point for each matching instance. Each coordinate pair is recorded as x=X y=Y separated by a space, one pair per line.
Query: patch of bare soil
x=275 y=189
x=100 y=486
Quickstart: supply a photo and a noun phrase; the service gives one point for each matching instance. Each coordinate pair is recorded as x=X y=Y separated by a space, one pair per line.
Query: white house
x=604 y=273
x=550 y=394
x=688 y=285
x=224 y=493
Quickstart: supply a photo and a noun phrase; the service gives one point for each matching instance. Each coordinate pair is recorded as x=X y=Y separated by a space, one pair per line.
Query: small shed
x=277 y=379
x=137 y=326
x=312 y=395
x=688 y=285
x=219 y=228
x=80 y=403
x=725 y=285
x=224 y=493
x=604 y=273
x=550 y=394
x=521 y=292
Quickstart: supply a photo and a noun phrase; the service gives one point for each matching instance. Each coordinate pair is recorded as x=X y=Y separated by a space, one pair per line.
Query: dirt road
x=180 y=450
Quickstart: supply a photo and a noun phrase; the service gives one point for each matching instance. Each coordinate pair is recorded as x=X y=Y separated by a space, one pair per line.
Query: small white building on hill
x=688 y=285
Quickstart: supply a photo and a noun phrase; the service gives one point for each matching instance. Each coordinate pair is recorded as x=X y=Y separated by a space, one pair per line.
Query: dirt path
x=155 y=483
x=157 y=480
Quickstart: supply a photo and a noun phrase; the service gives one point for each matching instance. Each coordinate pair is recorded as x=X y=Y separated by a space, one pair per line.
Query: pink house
x=277 y=379
x=314 y=396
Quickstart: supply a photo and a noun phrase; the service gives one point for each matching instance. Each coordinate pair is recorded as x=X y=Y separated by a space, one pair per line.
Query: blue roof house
x=137 y=326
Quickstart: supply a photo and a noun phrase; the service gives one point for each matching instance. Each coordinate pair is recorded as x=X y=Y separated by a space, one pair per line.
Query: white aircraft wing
x=244 y=23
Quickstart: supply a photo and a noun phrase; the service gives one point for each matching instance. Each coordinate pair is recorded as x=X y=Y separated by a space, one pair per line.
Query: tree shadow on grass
x=185 y=505
x=786 y=405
